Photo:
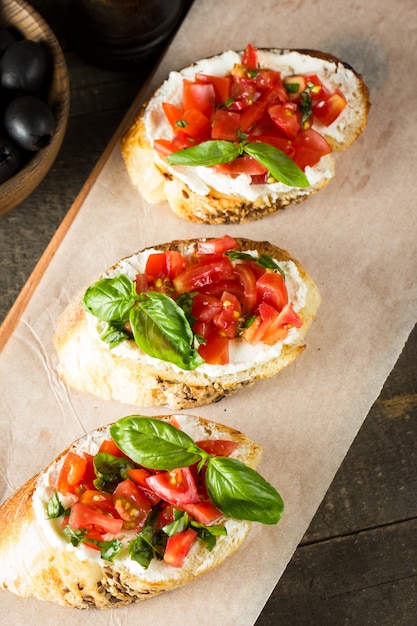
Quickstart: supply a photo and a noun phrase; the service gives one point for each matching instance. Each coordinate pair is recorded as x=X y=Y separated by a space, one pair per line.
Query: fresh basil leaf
x=208 y=534
x=108 y=549
x=55 y=508
x=306 y=106
x=179 y=524
x=149 y=543
x=75 y=536
x=161 y=330
x=154 y=443
x=185 y=301
x=110 y=471
x=110 y=299
x=114 y=333
x=208 y=153
x=240 y=492
x=281 y=167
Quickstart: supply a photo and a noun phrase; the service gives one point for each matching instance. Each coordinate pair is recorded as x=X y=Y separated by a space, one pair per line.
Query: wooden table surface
x=357 y=563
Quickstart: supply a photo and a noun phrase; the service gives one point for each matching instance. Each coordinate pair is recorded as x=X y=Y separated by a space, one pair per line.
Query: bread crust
x=157 y=182
x=31 y=566
x=86 y=363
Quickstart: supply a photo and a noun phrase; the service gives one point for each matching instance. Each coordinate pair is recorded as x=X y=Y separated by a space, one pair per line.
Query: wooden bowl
x=22 y=17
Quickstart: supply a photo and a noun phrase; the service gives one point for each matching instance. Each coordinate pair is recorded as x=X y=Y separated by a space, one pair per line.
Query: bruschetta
x=131 y=510
x=186 y=323
x=241 y=135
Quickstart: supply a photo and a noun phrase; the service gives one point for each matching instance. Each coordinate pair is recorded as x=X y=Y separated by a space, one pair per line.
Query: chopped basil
x=208 y=534
x=181 y=123
x=263 y=260
x=110 y=471
x=75 y=536
x=108 y=549
x=55 y=508
x=149 y=543
x=292 y=87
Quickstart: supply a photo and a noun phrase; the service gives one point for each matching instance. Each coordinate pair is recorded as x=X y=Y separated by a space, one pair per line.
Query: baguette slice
x=128 y=375
x=211 y=200
x=37 y=561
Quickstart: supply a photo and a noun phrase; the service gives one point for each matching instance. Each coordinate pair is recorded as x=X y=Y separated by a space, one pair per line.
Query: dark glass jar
x=120 y=34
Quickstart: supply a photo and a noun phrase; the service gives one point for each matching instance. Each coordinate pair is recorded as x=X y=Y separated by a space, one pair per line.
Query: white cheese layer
x=50 y=529
x=242 y=354
x=201 y=179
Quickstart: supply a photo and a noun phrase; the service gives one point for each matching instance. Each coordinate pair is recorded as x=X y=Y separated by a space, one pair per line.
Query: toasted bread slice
x=37 y=559
x=197 y=195
x=128 y=375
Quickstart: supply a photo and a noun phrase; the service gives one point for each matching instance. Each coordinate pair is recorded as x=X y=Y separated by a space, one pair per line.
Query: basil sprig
x=236 y=489
x=160 y=326
x=214 y=152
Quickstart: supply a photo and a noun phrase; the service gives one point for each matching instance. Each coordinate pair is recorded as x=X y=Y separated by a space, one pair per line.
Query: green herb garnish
x=214 y=152
x=234 y=488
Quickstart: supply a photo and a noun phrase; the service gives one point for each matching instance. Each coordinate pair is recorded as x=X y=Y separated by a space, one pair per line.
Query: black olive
x=29 y=122
x=10 y=159
x=6 y=39
x=24 y=67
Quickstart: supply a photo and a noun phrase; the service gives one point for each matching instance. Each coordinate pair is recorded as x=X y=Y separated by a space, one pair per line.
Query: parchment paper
x=357 y=238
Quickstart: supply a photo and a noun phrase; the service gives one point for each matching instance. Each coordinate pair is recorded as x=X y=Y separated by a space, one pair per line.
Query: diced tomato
x=316 y=88
x=271 y=289
x=139 y=478
x=203 y=512
x=176 y=486
x=222 y=86
x=242 y=165
x=216 y=349
x=248 y=279
x=110 y=447
x=226 y=125
x=226 y=320
x=309 y=146
x=295 y=85
x=163 y=147
x=178 y=546
x=256 y=331
x=205 y=307
x=243 y=94
x=72 y=473
x=131 y=504
x=156 y=265
x=232 y=285
x=200 y=96
x=218 y=447
x=279 y=327
x=216 y=246
x=266 y=80
x=282 y=143
x=166 y=516
x=210 y=269
x=84 y=516
x=251 y=115
x=250 y=57
x=141 y=283
x=328 y=110
x=98 y=500
x=175 y=263
x=196 y=125
x=173 y=114
x=277 y=95
x=285 y=116
x=95 y=535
